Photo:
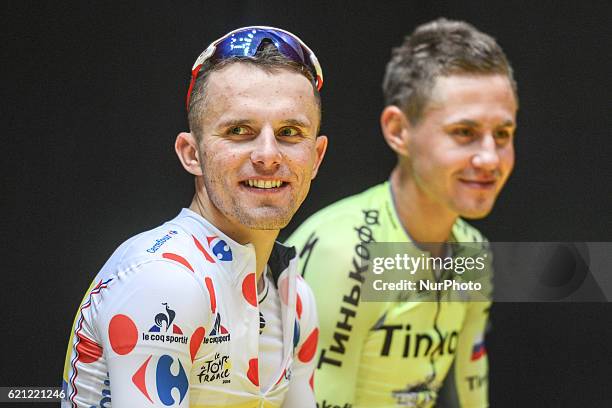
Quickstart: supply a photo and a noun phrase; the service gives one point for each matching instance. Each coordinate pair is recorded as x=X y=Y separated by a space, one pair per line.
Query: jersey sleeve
x=331 y=267
x=148 y=323
x=466 y=384
x=301 y=392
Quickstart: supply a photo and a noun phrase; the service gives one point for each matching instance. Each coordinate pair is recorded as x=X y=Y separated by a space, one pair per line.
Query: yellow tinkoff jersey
x=386 y=354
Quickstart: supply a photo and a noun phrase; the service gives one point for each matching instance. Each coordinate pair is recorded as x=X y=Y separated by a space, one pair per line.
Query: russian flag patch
x=478 y=350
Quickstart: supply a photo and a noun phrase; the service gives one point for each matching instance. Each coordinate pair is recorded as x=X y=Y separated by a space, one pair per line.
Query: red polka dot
x=196 y=341
x=139 y=379
x=253 y=373
x=298 y=307
x=283 y=290
x=311 y=381
x=309 y=347
x=177 y=258
x=202 y=250
x=211 y=292
x=248 y=289
x=89 y=351
x=123 y=334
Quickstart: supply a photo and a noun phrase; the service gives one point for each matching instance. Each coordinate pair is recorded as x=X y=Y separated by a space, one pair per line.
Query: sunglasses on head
x=246 y=41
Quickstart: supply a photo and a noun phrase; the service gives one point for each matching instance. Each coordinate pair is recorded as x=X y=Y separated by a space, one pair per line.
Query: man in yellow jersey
x=450 y=117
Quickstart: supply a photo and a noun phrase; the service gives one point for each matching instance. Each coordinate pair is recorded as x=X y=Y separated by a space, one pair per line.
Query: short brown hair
x=439 y=48
x=268 y=58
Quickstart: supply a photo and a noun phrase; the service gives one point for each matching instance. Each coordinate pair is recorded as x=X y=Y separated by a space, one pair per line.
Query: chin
x=473 y=208
x=475 y=213
x=267 y=225
x=265 y=219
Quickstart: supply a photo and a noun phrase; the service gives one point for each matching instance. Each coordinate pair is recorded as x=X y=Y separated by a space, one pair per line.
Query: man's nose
x=266 y=152
x=487 y=156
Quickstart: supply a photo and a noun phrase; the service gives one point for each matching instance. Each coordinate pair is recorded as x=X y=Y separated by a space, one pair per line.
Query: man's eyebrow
x=472 y=123
x=296 y=123
x=508 y=123
x=249 y=122
x=235 y=122
x=466 y=122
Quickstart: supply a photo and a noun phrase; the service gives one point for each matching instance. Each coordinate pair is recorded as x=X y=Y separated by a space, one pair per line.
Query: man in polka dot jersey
x=207 y=310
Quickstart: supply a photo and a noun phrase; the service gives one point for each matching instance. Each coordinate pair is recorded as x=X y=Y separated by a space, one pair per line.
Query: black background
x=93 y=99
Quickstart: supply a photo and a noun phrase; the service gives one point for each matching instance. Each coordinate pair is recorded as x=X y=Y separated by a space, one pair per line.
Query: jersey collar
x=280 y=257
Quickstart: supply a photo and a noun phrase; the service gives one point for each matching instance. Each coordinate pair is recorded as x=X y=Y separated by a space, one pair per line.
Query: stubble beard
x=480 y=208
x=263 y=217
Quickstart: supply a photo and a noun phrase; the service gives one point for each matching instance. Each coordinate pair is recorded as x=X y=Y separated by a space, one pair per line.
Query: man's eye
x=238 y=130
x=463 y=132
x=288 y=131
x=503 y=134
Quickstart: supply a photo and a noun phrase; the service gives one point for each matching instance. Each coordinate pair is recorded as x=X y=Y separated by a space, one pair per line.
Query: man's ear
x=396 y=129
x=320 y=149
x=186 y=148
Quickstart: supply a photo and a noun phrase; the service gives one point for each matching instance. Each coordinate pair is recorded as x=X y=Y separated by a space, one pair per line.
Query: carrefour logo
x=219 y=248
x=165 y=381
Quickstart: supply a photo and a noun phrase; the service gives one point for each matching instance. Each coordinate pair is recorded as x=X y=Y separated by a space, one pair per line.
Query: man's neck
x=425 y=220
x=262 y=240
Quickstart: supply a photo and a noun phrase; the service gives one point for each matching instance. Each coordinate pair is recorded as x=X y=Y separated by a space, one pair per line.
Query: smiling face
x=461 y=152
x=257 y=144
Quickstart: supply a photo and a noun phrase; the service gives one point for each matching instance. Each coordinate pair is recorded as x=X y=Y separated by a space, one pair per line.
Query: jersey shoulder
x=344 y=215
x=151 y=244
x=161 y=260
x=331 y=246
x=171 y=242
